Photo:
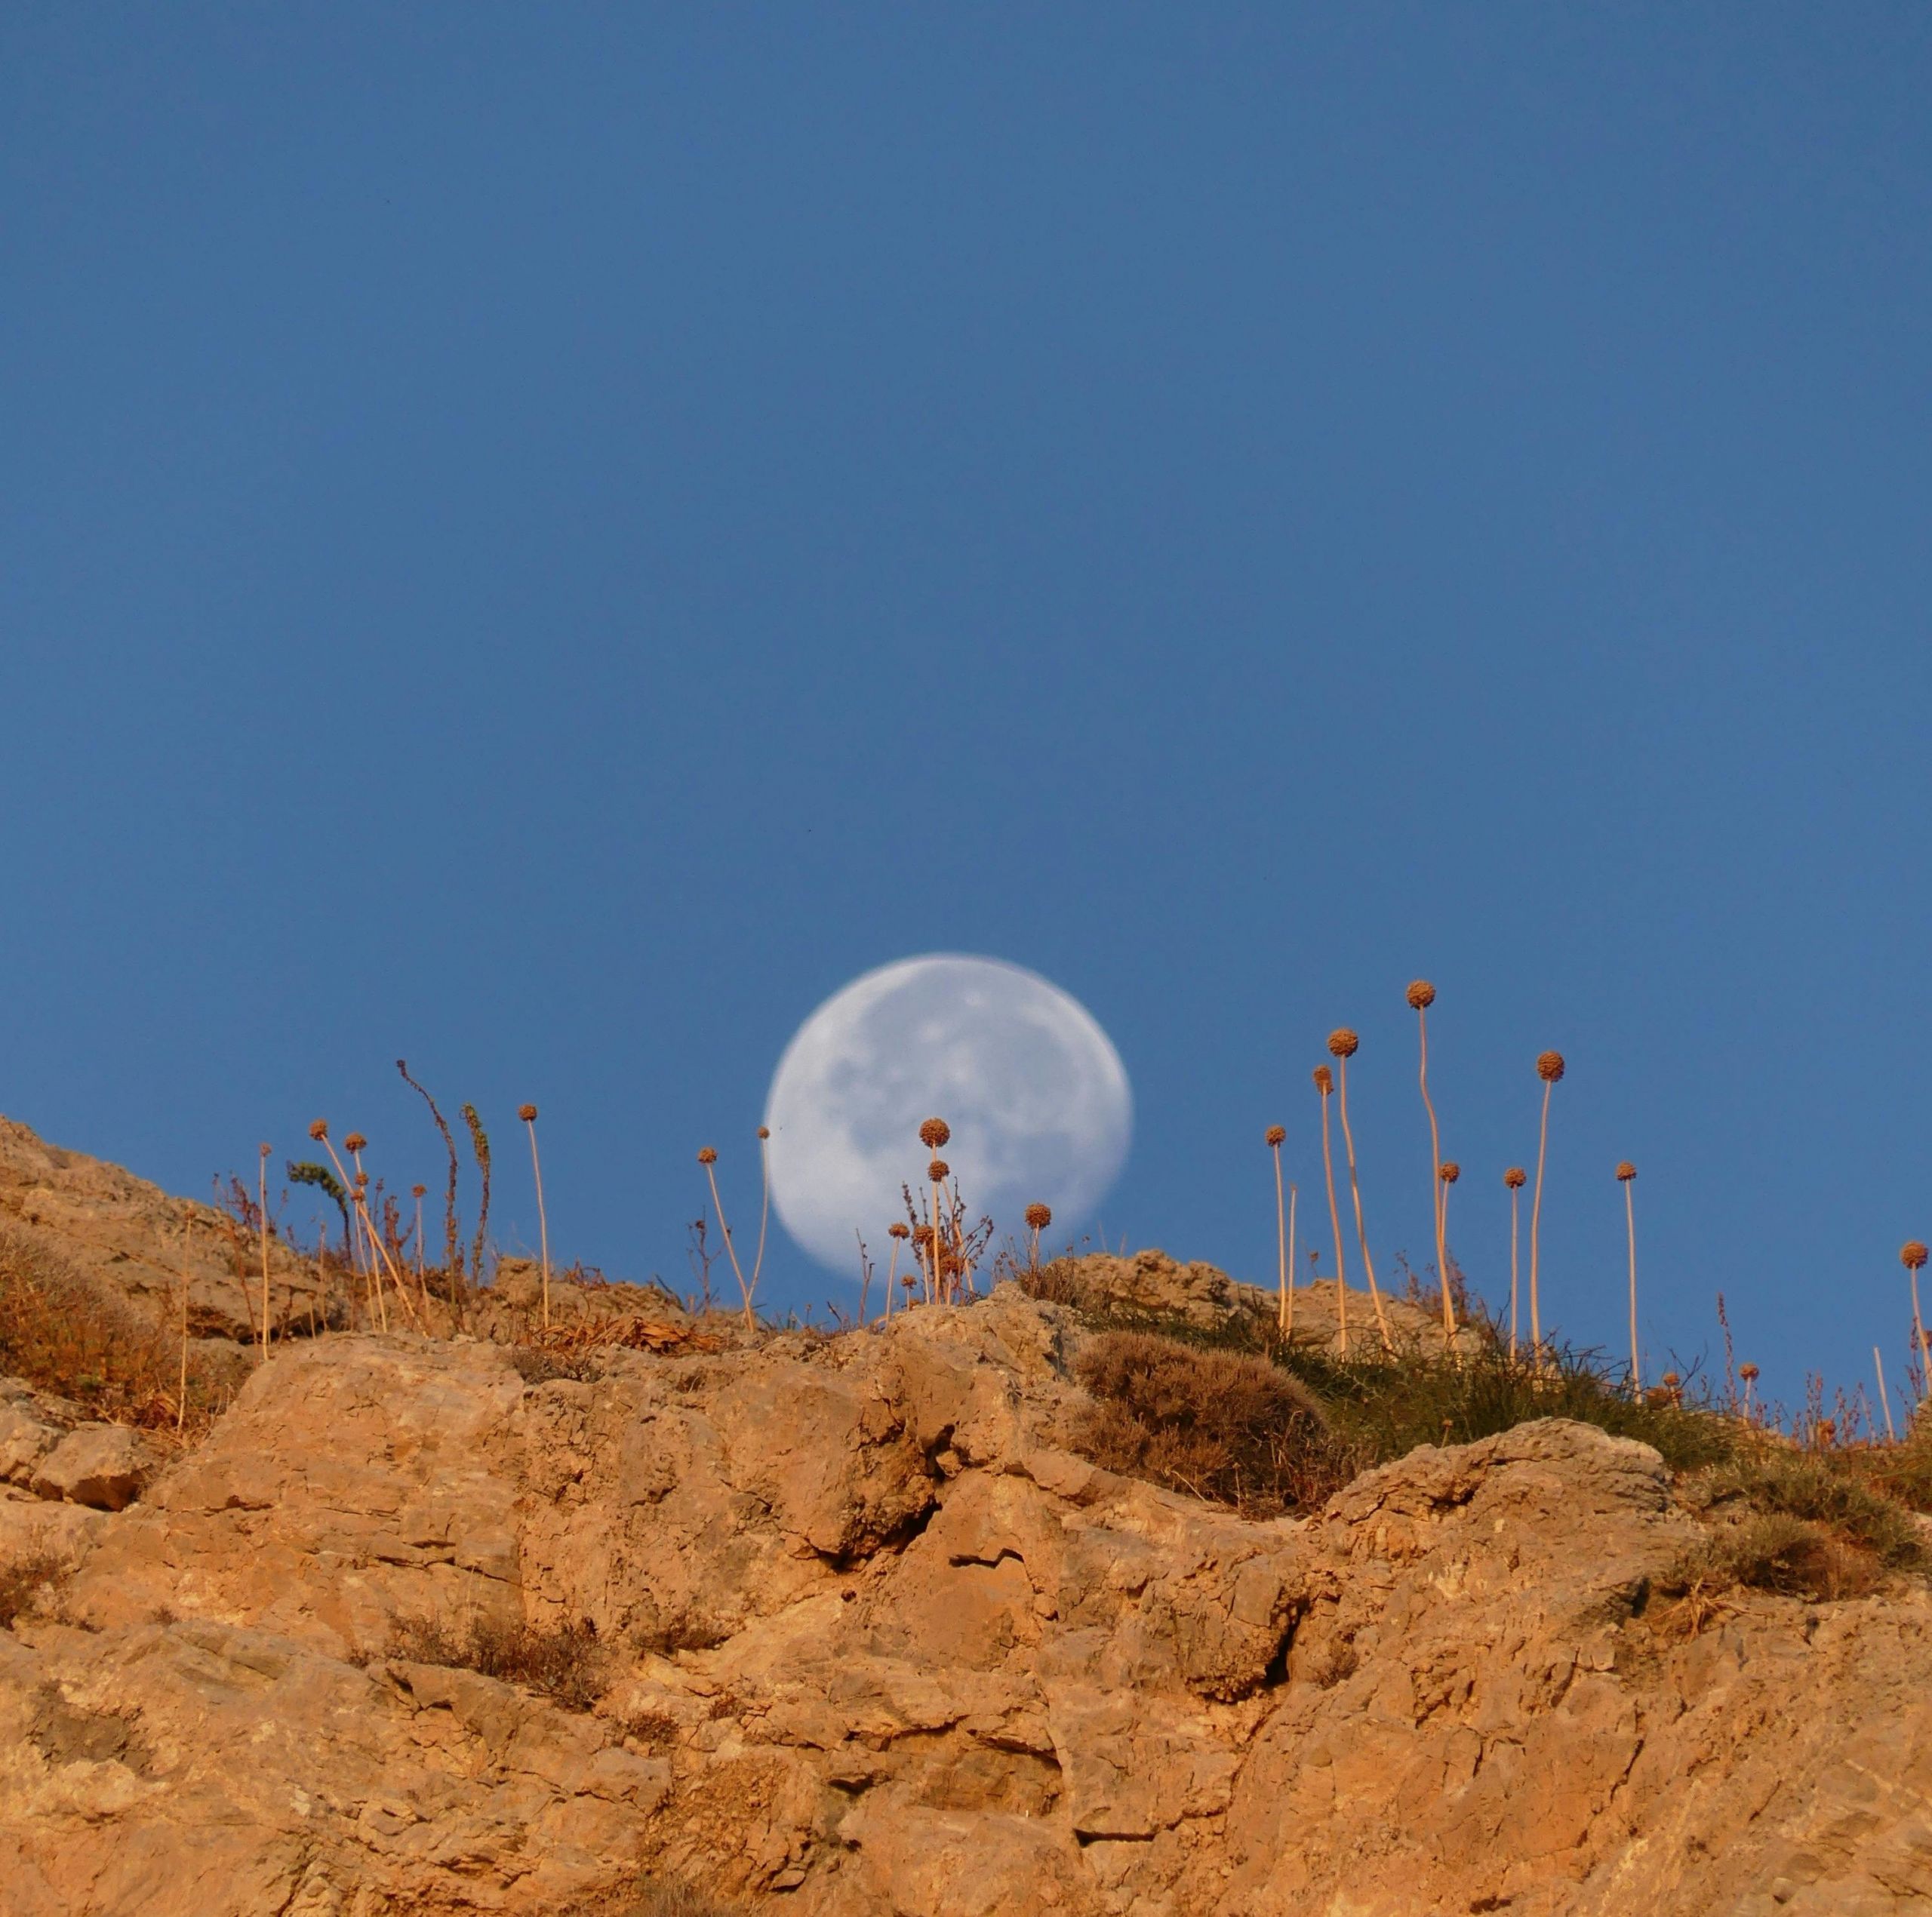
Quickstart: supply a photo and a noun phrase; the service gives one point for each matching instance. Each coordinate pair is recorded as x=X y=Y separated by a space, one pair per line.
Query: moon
x=1035 y=1094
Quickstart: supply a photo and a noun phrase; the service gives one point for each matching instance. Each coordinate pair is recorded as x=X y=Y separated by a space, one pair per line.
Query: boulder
x=104 y=1466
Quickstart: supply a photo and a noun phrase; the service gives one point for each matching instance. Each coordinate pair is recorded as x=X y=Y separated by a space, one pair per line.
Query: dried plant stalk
x=1324 y=1083
x=1346 y=1040
x=1549 y=1069
x=1626 y=1175
x=262 y=1176
x=708 y=1157
x=1891 y=1436
x=1421 y=996
x=1515 y=1178
x=1284 y=1308
x=528 y=1115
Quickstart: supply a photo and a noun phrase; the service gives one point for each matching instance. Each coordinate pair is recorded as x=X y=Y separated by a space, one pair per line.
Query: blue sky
x=546 y=541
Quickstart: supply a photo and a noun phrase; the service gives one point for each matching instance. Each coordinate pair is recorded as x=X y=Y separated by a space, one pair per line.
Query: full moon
x=1035 y=1092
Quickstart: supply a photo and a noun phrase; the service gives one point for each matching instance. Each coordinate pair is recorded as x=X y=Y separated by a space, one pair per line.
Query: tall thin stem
x=1891 y=1436
x=395 y=1277
x=939 y=1270
x=1335 y=1222
x=1281 y=1245
x=891 y=1275
x=1288 y=1329
x=543 y=1220
x=1630 y=1223
x=744 y=1290
x=262 y=1175
x=349 y=1185
x=1918 y=1335
x=1535 y=1223
x=764 y=1200
x=1515 y=1213
x=187 y=1267
x=1355 y=1189
x=1438 y=1192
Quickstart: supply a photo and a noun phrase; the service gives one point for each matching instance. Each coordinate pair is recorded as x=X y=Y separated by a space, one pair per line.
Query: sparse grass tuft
x=1790 y=1557
x=1822 y=1489
x=63 y=1333
x=567 y=1665
x=25 y=1581
x=1389 y=1404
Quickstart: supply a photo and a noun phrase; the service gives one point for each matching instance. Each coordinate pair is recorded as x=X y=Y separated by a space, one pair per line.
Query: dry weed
x=1221 y=1424
x=63 y=1332
x=26 y=1582
x=566 y=1665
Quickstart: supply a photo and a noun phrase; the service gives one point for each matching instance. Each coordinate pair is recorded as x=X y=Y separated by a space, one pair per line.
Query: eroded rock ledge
x=883 y=1643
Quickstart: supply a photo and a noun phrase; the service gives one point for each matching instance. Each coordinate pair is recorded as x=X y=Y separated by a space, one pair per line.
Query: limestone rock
x=32 y=1422
x=104 y=1466
x=1206 y=1298
x=133 y=1238
x=876 y=1640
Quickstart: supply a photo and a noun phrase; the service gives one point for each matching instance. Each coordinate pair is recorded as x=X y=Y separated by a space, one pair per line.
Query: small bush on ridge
x=1223 y=1425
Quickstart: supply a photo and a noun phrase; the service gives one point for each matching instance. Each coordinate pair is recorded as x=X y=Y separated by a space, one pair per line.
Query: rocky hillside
x=850 y=1625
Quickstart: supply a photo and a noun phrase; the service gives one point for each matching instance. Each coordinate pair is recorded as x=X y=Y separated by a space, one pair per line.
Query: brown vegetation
x=566 y=1665
x=25 y=1583
x=1223 y=1425
x=63 y=1332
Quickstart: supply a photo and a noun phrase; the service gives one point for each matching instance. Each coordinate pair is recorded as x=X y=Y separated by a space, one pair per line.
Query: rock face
x=1206 y=1298
x=876 y=1640
x=131 y=1236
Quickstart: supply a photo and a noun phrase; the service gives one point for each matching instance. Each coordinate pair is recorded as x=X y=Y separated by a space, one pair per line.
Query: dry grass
x=567 y=1665
x=63 y=1332
x=1792 y=1557
x=1820 y=1488
x=25 y=1584
x=1223 y=1425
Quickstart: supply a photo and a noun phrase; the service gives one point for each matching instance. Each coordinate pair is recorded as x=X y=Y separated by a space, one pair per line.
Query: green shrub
x=1822 y=1488
x=1389 y=1404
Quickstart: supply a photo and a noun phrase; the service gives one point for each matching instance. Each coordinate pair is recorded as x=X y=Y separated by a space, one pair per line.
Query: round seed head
x=1748 y=1372
x=353 y=1142
x=1625 y=1171
x=1422 y=995
x=1515 y=1178
x=1039 y=1217
x=1912 y=1254
x=937 y=1170
x=1449 y=1171
x=417 y=1191
x=764 y=1133
x=934 y=1133
x=707 y=1154
x=1549 y=1066
x=898 y=1231
x=1324 y=1080
x=319 y=1130
x=1276 y=1134
x=1342 y=1042
x=267 y=1150
x=527 y=1113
